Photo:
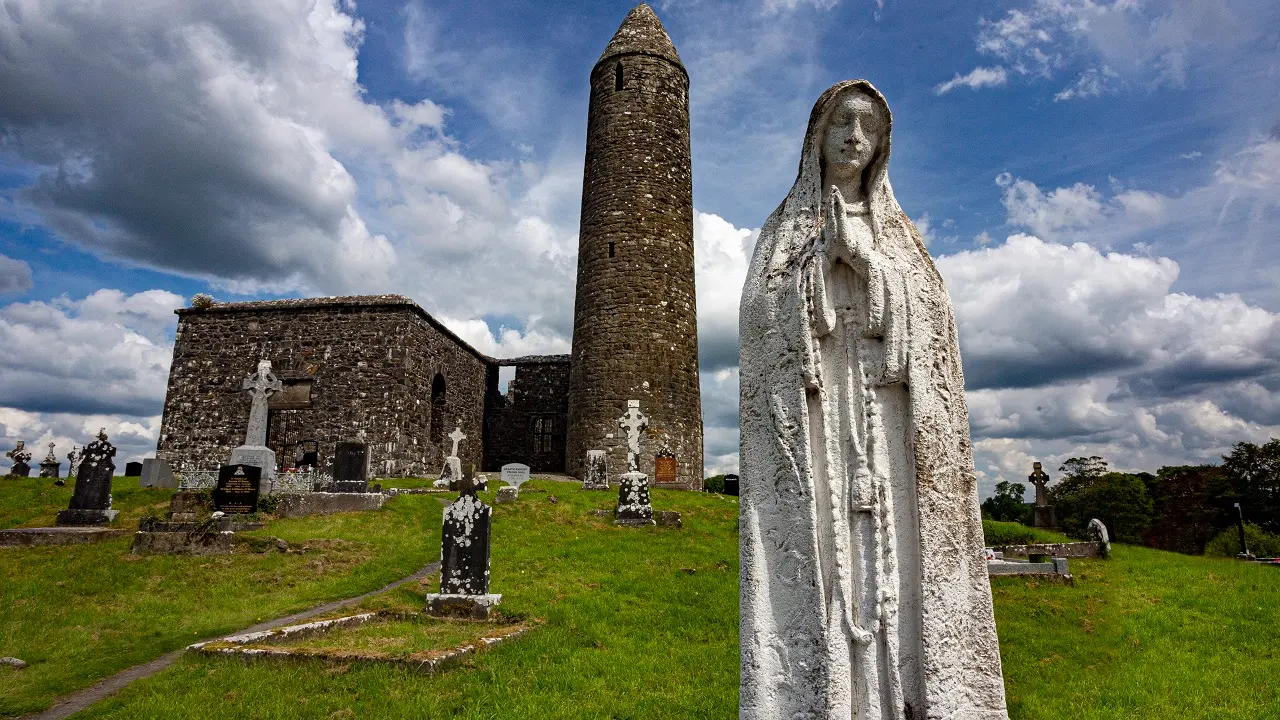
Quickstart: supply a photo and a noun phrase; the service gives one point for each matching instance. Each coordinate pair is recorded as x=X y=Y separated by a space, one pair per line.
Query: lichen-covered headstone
x=91 y=500
x=633 y=486
x=464 y=557
x=451 y=473
x=595 y=474
x=50 y=466
x=21 y=458
x=260 y=385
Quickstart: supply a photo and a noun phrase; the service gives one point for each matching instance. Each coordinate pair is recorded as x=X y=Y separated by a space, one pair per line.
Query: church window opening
x=610 y=249
x=438 y=429
x=618 y=83
x=544 y=433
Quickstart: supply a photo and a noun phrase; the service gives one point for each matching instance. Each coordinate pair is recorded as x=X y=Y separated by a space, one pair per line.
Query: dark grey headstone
x=91 y=500
x=20 y=469
x=133 y=469
x=156 y=473
x=731 y=484
x=464 y=544
x=351 y=467
x=50 y=469
x=237 y=490
x=633 y=500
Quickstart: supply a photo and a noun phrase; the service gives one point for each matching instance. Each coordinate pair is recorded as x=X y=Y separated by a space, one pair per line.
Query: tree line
x=1182 y=508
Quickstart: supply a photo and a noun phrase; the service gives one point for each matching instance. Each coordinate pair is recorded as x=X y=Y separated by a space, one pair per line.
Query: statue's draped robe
x=864 y=586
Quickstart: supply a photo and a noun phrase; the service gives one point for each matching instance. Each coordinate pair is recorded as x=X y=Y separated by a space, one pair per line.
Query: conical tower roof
x=641 y=32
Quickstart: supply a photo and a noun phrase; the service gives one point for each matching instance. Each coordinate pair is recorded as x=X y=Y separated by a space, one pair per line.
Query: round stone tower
x=635 y=327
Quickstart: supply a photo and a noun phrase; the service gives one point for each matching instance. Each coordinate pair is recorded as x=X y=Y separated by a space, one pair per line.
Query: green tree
x=1254 y=474
x=1007 y=504
x=1190 y=504
x=1087 y=491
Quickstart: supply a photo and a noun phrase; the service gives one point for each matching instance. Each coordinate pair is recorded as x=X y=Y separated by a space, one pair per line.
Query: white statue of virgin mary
x=864 y=584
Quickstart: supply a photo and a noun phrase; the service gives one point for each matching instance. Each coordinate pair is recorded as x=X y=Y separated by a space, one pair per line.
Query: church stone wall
x=369 y=363
x=533 y=414
x=635 y=321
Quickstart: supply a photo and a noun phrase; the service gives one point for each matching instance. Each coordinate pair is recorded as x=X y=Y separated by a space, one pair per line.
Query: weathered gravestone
x=864 y=585
x=634 y=507
x=351 y=467
x=91 y=499
x=1098 y=533
x=1043 y=515
x=595 y=475
x=452 y=470
x=261 y=385
x=464 y=557
x=133 y=469
x=50 y=466
x=156 y=473
x=21 y=458
x=514 y=475
x=506 y=495
x=238 y=489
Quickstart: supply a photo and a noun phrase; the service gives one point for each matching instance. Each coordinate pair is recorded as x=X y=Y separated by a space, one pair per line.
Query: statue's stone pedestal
x=259 y=456
x=633 y=500
x=50 y=469
x=1043 y=516
x=86 y=517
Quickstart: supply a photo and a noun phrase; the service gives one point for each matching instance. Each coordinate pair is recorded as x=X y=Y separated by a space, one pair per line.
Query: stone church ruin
x=381 y=370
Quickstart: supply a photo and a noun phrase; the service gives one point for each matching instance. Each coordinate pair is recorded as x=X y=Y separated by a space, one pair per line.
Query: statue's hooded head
x=850 y=123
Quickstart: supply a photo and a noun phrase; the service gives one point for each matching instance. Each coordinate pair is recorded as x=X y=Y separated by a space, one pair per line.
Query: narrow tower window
x=617 y=77
x=610 y=249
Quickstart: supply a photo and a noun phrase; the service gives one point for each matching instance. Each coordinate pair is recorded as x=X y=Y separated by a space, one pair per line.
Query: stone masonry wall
x=635 y=320
x=370 y=361
x=539 y=390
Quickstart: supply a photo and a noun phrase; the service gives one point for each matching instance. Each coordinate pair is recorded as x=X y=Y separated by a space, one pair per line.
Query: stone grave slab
x=351 y=467
x=238 y=489
x=633 y=500
x=156 y=473
x=91 y=499
x=596 y=473
x=514 y=475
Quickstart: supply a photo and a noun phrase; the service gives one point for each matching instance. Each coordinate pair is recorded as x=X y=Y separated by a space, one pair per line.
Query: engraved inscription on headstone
x=237 y=490
x=515 y=475
x=664 y=467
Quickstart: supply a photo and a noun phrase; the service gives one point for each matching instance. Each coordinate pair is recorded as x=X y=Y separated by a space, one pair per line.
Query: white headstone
x=864 y=589
x=515 y=475
x=595 y=476
x=457 y=437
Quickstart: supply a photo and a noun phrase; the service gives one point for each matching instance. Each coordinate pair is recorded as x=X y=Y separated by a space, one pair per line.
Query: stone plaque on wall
x=237 y=490
x=664 y=468
x=293 y=395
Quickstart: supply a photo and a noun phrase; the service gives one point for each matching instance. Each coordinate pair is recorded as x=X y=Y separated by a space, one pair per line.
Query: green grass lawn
x=633 y=623
x=81 y=612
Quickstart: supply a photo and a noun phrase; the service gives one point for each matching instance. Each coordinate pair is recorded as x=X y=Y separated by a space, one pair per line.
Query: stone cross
x=634 y=423
x=1040 y=479
x=456 y=436
x=261 y=385
x=20 y=457
x=51 y=457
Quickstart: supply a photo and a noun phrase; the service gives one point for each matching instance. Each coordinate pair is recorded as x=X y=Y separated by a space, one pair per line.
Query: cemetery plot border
x=263 y=645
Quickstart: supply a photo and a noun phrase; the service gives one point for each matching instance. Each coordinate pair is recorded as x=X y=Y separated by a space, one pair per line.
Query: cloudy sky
x=1099 y=182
